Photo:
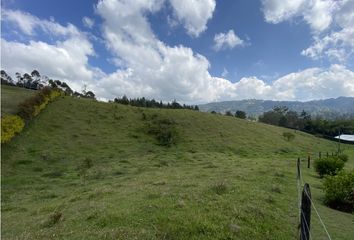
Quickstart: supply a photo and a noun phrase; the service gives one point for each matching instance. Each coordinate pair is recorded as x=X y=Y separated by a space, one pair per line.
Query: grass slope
x=11 y=97
x=225 y=178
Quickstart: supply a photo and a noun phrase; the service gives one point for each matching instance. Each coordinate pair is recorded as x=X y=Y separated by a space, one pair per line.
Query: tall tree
x=240 y=114
x=6 y=79
x=35 y=74
x=27 y=79
x=90 y=94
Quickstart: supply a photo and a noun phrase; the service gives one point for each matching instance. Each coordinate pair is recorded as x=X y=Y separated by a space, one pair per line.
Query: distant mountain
x=328 y=108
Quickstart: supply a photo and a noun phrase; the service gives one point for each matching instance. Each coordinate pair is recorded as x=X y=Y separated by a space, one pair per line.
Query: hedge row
x=329 y=166
x=31 y=107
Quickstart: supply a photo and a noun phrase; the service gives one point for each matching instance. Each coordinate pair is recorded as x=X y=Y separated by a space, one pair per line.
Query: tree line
x=152 y=103
x=36 y=81
x=282 y=116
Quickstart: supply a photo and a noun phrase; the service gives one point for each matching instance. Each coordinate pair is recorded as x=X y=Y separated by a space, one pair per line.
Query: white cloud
x=317 y=13
x=336 y=45
x=29 y=24
x=25 y=21
x=227 y=40
x=193 y=14
x=147 y=66
x=153 y=69
x=88 y=22
x=316 y=83
x=276 y=11
x=332 y=22
x=308 y=84
x=66 y=59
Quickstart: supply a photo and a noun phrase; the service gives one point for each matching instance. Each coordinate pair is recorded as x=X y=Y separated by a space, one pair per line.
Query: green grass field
x=225 y=178
x=11 y=97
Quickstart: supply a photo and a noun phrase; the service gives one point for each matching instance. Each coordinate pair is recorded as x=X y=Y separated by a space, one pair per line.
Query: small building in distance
x=347 y=138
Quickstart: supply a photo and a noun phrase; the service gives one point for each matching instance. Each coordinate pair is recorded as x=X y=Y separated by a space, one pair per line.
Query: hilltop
x=84 y=169
x=328 y=108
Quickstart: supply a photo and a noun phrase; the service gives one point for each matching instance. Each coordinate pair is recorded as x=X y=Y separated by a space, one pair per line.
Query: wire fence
x=302 y=214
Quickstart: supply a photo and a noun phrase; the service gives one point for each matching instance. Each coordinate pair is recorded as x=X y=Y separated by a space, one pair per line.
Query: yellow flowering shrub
x=13 y=124
x=31 y=107
x=53 y=95
x=56 y=93
x=10 y=126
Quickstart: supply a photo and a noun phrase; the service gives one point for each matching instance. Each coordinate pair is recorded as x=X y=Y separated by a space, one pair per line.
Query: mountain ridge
x=327 y=108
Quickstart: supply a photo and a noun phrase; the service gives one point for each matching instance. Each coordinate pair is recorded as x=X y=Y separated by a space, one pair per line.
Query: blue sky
x=287 y=50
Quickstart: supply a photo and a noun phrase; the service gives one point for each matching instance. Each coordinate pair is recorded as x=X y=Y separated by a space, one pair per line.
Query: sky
x=193 y=51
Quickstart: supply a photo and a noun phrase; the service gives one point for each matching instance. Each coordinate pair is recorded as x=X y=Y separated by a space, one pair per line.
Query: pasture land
x=84 y=169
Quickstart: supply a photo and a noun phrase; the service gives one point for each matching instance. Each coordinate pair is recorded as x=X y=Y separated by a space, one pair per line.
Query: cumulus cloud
x=317 y=13
x=336 y=45
x=147 y=66
x=153 y=69
x=227 y=40
x=276 y=11
x=193 y=14
x=332 y=23
x=308 y=84
x=88 y=22
x=66 y=59
x=30 y=24
x=316 y=83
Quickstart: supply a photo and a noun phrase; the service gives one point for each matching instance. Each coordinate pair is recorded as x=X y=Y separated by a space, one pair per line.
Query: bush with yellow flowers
x=10 y=126
x=32 y=106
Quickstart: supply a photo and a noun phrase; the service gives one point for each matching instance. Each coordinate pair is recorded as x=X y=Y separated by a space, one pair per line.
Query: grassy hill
x=11 y=97
x=89 y=170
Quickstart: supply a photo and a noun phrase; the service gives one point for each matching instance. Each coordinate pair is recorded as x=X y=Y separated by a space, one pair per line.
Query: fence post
x=305 y=222
x=308 y=161
x=327 y=154
x=319 y=155
x=298 y=168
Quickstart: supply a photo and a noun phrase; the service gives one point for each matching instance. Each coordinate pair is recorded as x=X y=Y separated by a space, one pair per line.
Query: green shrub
x=343 y=157
x=164 y=131
x=26 y=108
x=328 y=166
x=339 y=191
x=288 y=136
x=10 y=126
